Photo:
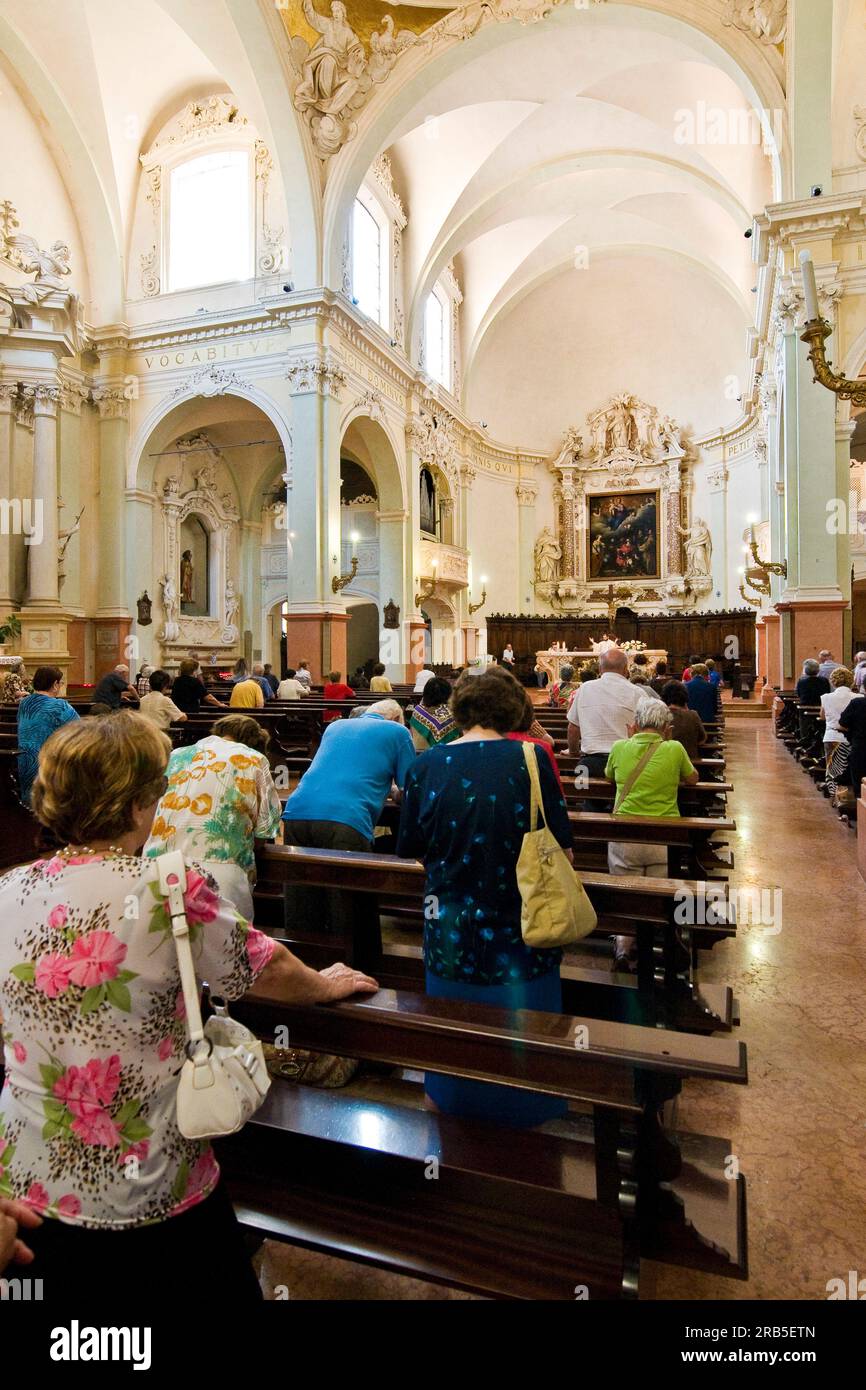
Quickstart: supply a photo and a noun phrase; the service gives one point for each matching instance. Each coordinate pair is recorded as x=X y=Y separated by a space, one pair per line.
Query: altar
x=553 y=660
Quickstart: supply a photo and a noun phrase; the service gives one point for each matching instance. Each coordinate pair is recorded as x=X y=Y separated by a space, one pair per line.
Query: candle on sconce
x=810 y=286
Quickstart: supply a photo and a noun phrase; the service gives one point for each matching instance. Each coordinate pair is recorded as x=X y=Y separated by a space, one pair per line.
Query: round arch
x=374 y=441
x=140 y=469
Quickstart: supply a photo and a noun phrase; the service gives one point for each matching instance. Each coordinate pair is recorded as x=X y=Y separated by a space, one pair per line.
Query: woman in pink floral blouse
x=94 y=1032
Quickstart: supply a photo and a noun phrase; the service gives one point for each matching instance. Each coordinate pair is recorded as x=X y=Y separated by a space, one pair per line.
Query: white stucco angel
x=49 y=267
x=699 y=547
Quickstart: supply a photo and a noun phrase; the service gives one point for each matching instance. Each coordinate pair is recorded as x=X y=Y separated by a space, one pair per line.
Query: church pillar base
x=44 y=637
x=110 y=646
x=417 y=632
x=320 y=639
x=772 y=628
x=806 y=628
x=761 y=653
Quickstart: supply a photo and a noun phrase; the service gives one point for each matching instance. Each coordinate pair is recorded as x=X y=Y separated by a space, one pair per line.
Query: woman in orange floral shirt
x=220 y=800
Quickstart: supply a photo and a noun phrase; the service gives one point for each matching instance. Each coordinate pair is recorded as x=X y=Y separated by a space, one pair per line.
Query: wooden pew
x=664 y=990
x=510 y=1214
x=18 y=827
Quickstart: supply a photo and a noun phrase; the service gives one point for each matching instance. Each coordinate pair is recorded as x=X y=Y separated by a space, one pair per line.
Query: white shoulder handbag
x=224 y=1078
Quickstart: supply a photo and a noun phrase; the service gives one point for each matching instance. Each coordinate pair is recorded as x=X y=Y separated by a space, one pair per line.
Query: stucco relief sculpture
x=338 y=72
x=230 y=630
x=170 y=631
x=766 y=20
x=50 y=268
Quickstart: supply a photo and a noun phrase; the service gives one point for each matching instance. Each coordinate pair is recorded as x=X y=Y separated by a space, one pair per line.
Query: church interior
x=517 y=346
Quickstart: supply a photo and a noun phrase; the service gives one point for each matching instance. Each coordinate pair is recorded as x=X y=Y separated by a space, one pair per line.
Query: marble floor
x=799 y=1126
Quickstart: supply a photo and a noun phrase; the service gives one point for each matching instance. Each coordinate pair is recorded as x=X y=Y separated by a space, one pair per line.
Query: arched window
x=437 y=340
x=370 y=258
x=210 y=220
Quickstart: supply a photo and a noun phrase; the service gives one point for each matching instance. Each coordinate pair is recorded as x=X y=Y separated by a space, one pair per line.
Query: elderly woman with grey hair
x=562 y=691
x=811 y=686
x=648 y=767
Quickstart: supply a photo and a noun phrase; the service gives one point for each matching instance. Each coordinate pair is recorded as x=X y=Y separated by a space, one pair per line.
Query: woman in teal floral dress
x=94 y=1033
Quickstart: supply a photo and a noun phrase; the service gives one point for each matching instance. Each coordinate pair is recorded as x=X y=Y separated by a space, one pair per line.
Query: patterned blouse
x=220 y=799
x=430 y=727
x=14 y=688
x=94 y=1034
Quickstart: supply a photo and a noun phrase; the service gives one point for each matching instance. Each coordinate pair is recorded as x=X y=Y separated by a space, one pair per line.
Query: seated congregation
x=384 y=862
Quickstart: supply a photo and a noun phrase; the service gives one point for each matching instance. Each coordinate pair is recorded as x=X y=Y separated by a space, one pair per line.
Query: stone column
x=44 y=623
x=140 y=509
x=317 y=615
x=392 y=572
x=527 y=495
x=250 y=617
x=72 y=396
x=474 y=627
x=673 y=520
x=814 y=600
x=112 y=620
x=42 y=586
x=565 y=497
x=413 y=627
x=8 y=397
x=717 y=480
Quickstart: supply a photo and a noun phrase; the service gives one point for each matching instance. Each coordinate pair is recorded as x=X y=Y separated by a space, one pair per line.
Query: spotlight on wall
x=749 y=232
x=483 y=424
x=287 y=289
x=816 y=190
x=393 y=342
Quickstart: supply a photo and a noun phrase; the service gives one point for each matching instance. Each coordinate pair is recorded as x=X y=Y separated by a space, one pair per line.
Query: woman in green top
x=649 y=767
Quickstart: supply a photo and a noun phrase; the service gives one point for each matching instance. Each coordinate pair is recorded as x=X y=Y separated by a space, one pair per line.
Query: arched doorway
x=362 y=637
x=194 y=540
x=379 y=520
x=443 y=639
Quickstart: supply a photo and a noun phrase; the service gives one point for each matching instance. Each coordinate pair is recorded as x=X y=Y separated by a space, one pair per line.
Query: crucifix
x=613 y=596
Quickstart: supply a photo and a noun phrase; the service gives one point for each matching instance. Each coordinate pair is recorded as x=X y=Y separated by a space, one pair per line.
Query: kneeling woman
x=94 y=1034
x=465 y=812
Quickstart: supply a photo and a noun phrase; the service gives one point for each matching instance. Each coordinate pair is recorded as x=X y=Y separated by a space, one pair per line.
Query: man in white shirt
x=291 y=688
x=602 y=711
x=157 y=706
x=423 y=676
x=508 y=654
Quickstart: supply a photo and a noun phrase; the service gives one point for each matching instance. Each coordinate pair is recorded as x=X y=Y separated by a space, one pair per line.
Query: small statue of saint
x=186 y=577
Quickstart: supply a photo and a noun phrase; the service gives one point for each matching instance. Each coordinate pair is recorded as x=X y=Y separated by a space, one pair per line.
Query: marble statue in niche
x=187 y=572
x=699 y=547
x=548 y=554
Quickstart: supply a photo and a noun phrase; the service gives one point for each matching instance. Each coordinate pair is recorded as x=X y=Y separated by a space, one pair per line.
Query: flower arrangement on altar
x=635 y=646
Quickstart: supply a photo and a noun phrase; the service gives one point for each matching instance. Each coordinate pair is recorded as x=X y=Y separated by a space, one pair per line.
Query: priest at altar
x=556 y=656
